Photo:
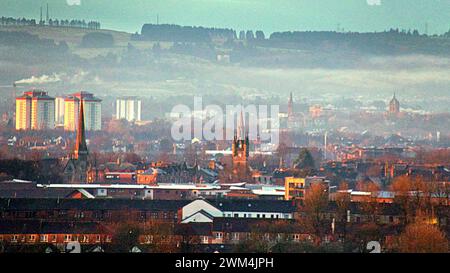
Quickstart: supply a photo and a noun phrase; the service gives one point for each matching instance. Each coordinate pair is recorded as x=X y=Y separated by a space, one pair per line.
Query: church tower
x=240 y=147
x=77 y=166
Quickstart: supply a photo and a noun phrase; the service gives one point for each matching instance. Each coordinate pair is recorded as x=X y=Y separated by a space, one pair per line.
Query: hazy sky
x=268 y=15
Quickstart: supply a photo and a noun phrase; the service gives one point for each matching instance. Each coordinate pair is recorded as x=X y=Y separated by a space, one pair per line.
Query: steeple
x=394 y=105
x=81 y=150
x=290 y=109
x=241 y=127
x=241 y=143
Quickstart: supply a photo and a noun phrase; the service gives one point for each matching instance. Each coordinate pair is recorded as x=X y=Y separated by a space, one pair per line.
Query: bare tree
x=422 y=238
x=316 y=202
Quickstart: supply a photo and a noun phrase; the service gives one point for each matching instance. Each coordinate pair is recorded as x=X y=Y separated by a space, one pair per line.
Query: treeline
x=97 y=40
x=41 y=171
x=248 y=35
x=75 y=23
x=176 y=33
x=19 y=39
x=393 y=41
x=26 y=48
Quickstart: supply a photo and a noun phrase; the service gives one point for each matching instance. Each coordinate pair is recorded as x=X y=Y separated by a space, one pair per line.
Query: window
x=148 y=239
x=31 y=238
x=257 y=215
x=218 y=235
x=236 y=215
x=143 y=215
x=30 y=214
x=79 y=215
x=14 y=238
x=84 y=239
x=67 y=238
x=53 y=238
x=97 y=238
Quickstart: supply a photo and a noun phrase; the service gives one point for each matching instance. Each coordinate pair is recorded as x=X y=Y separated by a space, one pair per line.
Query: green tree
x=304 y=162
x=260 y=35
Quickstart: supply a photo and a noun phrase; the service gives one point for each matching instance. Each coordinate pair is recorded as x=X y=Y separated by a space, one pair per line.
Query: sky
x=266 y=15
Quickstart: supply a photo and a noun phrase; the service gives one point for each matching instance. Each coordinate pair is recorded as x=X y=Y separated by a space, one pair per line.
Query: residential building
x=59 y=110
x=294 y=188
x=35 y=110
x=128 y=108
x=204 y=211
x=92 y=111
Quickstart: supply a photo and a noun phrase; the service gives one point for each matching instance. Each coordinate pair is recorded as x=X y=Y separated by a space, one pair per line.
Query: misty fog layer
x=321 y=66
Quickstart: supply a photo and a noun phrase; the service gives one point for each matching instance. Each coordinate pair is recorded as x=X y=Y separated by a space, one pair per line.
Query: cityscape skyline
x=189 y=138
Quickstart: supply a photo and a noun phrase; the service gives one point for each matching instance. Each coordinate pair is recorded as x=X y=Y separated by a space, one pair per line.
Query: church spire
x=290 y=108
x=80 y=145
x=241 y=127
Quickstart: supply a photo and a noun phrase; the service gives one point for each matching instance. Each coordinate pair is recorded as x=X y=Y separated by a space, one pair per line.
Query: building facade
x=128 y=108
x=35 y=110
x=294 y=188
x=23 y=113
x=92 y=111
x=59 y=110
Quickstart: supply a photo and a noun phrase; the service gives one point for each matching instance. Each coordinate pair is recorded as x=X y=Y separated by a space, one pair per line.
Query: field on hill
x=73 y=36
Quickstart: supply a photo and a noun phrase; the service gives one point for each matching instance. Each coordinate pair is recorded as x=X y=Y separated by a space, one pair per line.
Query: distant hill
x=97 y=40
x=73 y=36
x=390 y=42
